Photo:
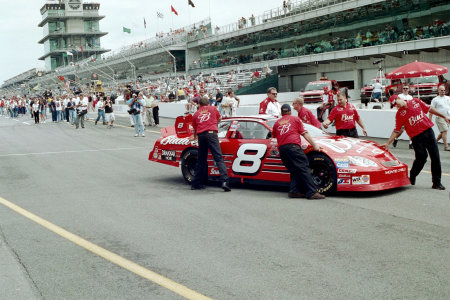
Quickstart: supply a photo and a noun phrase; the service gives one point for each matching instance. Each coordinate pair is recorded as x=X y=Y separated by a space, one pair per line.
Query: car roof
x=253 y=118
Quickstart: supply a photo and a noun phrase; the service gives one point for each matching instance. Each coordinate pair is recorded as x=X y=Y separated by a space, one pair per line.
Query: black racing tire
x=323 y=172
x=188 y=162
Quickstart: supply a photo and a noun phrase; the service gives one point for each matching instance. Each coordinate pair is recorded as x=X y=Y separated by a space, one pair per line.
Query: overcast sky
x=20 y=34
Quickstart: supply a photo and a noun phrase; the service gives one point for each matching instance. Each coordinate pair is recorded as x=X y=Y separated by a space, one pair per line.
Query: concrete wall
x=378 y=122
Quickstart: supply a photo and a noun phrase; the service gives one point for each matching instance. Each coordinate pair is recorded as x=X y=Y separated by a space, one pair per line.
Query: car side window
x=223 y=129
x=248 y=130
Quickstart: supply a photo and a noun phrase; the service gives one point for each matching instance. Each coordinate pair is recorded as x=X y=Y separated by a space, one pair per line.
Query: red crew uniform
x=204 y=122
x=345 y=118
x=287 y=131
x=419 y=128
x=308 y=117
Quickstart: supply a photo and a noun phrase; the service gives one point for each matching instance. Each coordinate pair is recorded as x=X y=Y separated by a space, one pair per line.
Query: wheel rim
x=190 y=165
x=321 y=175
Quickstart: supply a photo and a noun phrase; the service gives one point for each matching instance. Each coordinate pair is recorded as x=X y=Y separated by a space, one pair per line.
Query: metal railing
x=291 y=9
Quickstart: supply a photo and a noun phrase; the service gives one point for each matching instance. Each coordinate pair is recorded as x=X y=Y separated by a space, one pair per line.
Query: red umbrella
x=417 y=69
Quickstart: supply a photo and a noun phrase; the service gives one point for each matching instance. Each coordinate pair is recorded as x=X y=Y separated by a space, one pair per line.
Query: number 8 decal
x=253 y=160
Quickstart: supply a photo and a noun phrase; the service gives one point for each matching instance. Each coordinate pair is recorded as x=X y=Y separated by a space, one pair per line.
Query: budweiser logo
x=347 y=118
x=204 y=117
x=173 y=140
x=284 y=129
x=416 y=119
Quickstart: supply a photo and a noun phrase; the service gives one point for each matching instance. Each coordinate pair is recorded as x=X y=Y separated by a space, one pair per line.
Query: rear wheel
x=188 y=162
x=323 y=172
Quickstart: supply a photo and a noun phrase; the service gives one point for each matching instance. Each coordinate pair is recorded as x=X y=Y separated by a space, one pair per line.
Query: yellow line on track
x=429 y=172
x=110 y=256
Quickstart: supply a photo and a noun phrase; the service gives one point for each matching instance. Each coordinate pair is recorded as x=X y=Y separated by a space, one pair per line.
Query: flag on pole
x=145 y=24
x=173 y=10
x=159 y=15
x=61 y=78
x=191 y=3
x=127 y=30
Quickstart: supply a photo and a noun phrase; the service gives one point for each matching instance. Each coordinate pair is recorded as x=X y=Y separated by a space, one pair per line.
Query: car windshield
x=426 y=79
x=314 y=131
x=383 y=81
x=313 y=86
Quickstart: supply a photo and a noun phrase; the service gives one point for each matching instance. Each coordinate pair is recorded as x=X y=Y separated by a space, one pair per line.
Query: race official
x=442 y=104
x=287 y=131
x=204 y=122
x=412 y=115
x=305 y=114
x=270 y=105
x=346 y=116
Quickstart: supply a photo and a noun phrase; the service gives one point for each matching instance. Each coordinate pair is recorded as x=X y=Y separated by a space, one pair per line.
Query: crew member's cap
x=392 y=99
x=285 y=108
x=325 y=88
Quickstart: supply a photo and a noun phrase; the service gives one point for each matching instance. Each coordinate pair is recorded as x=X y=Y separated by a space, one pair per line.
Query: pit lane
x=252 y=243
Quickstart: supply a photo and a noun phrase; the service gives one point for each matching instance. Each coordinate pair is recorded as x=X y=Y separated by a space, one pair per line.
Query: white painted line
x=70 y=151
x=26 y=123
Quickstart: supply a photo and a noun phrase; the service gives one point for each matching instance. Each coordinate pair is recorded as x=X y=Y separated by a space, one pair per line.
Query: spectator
x=441 y=103
x=377 y=90
x=109 y=112
x=136 y=105
x=212 y=100
x=100 y=111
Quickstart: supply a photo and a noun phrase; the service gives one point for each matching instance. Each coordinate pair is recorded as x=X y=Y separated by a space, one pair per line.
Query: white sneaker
x=136 y=135
x=143 y=135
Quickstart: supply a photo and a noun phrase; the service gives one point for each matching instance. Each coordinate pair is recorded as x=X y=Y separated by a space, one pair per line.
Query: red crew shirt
x=345 y=117
x=287 y=130
x=413 y=117
x=205 y=119
x=308 y=117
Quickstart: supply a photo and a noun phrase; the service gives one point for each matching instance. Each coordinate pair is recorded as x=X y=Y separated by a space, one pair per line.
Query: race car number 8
x=251 y=155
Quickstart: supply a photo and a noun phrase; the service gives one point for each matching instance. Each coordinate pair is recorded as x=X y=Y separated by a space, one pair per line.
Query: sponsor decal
x=390 y=172
x=342 y=163
x=346 y=171
x=214 y=172
x=169 y=155
x=204 y=117
x=416 y=119
x=344 y=176
x=174 y=140
x=344 y=181
x=155 y=155
x=341 y=145
x=364 y=179
x=159 y=156
x=284 y=128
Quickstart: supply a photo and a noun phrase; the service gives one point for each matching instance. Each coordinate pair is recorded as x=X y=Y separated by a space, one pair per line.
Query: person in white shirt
x=377 y=90
x=100 y=110
x=82 y=107
x=59 y=108
x=442 y=104
x=35 y=108
x=404 y=96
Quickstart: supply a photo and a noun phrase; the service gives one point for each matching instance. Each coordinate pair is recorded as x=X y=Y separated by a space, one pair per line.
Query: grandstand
x=302 y=42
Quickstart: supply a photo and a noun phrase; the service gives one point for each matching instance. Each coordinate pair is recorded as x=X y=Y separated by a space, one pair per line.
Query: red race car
x=250 y=154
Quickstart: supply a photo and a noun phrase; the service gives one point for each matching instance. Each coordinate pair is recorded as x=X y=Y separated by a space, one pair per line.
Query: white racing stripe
x=70 y=151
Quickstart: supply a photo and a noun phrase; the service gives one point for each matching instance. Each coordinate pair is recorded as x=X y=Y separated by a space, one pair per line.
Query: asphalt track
x=84 y=215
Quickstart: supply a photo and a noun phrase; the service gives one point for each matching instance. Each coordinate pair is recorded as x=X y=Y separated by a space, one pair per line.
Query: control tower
x=71 y=32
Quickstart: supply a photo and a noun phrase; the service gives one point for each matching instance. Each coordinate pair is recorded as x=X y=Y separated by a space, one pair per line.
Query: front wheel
x=323 y=172
x=188 y=162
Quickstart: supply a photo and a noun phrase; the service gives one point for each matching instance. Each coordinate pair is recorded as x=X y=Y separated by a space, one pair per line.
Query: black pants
x=423 y=143
x=36 y=117
x=298 y=165
x=156 y=115
x=208 y=140
x=348 y=132
x=321 y=111
x=67 y=114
